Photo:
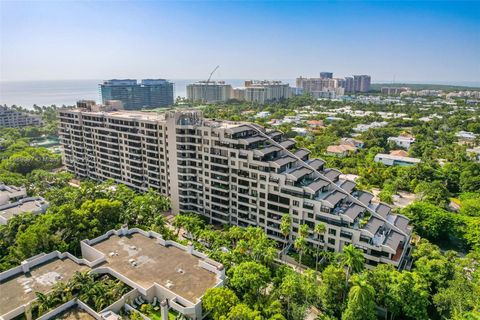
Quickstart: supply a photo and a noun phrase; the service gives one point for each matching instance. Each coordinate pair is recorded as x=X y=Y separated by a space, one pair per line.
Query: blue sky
x=409 y=40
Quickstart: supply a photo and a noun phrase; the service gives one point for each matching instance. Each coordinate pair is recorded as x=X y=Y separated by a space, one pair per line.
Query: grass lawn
x=156 y=315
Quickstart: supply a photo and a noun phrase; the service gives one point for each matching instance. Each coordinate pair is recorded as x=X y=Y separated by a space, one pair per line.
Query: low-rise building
x=466 y=136
x=156 y=270
x=315 y=124
x=262 y=114
x=11 y=194
x=402 y=141
x=366 y=127
x=299 y=131
x=12 y=118
x=340 y=150
x=399 y=153
x=393 y=160
x=352 y=142
x=36 y=205
x=475 y=152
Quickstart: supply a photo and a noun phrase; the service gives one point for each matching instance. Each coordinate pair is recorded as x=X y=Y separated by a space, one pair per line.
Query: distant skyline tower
x=149 y=93
x=361 y=83
x=326 y=75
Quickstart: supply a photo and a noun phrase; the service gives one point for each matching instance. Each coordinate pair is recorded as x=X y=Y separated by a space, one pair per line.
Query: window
x=333 y=232
x=331 y=241
x=296 y=203
x=345 y=234
x=325 y=209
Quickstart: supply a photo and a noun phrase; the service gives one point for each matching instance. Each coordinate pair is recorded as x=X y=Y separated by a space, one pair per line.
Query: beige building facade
x=233 y=173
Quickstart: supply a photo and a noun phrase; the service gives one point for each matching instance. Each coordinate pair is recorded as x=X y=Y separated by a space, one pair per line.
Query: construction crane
x=207 y=82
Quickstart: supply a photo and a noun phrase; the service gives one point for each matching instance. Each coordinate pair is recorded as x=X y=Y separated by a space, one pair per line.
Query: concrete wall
x=70 y=304
x=125 y=299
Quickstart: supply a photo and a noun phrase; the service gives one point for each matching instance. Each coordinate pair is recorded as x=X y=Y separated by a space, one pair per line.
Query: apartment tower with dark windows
x=149 y=93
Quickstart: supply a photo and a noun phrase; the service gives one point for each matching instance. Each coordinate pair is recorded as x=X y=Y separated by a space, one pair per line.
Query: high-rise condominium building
x=149 y=93
x=233 y=173
x=213 y=91
x=318 y=87
x=348 y=85
x=326 y=75
x=11 y=118
x=361 y=83
x=266 y=91
x=326 y=83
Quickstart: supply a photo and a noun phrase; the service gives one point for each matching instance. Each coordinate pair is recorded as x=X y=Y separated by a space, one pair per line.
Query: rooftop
x=167 y=266
x=41 y=278
x=398 y=158
x=33 y=204
x=10 y=192
x=400 y=153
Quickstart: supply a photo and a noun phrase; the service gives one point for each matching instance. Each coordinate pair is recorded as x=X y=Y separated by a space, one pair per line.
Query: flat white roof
x=399 y=158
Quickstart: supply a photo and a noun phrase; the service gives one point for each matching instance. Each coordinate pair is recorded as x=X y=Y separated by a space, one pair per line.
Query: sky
x=406 y=41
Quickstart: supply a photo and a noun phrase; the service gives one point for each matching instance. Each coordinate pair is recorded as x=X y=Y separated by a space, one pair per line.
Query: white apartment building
x=11 y=118
x=320 y=87
x=233 y=173
x=265 y=91
x=209 y=92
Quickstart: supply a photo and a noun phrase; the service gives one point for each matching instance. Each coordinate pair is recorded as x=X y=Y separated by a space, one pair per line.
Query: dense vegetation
x=419 y=86
x=97 y=291
x=76 y=214
x=261 y=287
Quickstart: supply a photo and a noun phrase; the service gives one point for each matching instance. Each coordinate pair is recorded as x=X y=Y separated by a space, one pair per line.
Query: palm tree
x=81 y=280
x=63 y=291
x=360 y=300
x=354 y=261
x=285 y=227
x=235 y=233
x=46 y=302
x=300 y=245
x=303 y=230
x=320 y=229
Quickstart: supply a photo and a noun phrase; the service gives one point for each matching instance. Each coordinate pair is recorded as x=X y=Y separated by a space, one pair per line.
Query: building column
x=164 y=309
x=25 y=266
x=28 y=311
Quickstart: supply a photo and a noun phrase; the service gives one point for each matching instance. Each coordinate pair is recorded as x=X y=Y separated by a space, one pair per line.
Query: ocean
x=68 y=92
